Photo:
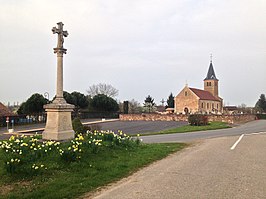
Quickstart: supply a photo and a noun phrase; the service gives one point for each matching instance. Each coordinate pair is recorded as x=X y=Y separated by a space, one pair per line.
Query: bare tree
x=134 y=107
x=102 y=88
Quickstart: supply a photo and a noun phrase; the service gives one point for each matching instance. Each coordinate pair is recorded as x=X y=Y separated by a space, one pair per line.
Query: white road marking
x=258 y=133
x=236 y=143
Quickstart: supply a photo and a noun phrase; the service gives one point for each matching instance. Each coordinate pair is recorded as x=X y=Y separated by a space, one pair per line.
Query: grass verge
x=189 y=128
x=76 y=178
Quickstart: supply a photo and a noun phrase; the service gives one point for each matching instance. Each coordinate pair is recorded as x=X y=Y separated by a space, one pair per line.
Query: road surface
x=247 y=128
x=209 y=169
x=141 y=127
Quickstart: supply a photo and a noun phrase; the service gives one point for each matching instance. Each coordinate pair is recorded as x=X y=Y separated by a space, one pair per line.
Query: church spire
x=211 y=73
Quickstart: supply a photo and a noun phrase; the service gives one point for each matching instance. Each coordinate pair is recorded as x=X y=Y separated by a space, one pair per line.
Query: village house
x=4 y=111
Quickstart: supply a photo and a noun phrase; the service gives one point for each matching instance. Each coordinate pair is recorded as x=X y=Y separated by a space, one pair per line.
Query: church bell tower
x=211 y=82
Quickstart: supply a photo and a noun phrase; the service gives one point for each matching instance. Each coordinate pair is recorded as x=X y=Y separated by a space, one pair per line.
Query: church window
x=210 y=84
x=207 y=105
x=185 y=93
x=217 y=106
x=212 y=106
x=202 y=105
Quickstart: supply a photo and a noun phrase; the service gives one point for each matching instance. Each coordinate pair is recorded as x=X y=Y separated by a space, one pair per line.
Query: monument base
x=58 y=124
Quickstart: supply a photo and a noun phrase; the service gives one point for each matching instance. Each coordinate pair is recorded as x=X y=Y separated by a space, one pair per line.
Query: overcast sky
x=141 y=47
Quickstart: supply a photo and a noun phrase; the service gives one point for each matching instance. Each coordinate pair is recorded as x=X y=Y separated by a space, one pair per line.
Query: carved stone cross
x=61 y=34
x=60 y=50
x=58 y=123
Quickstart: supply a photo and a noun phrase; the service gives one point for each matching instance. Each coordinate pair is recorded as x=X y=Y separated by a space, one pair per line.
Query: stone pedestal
x=59 y=123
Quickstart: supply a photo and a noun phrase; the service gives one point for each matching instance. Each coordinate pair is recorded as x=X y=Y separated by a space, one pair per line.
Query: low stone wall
x=152 y=117
x=174 y=117
x=231 y=119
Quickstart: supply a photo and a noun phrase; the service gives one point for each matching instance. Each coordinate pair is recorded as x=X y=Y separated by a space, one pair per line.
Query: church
x=207 y=101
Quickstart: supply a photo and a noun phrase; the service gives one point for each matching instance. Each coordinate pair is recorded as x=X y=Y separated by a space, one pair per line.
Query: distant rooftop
x=4 y=111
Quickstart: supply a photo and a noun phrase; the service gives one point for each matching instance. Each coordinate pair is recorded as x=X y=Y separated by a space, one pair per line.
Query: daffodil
x=12 y=138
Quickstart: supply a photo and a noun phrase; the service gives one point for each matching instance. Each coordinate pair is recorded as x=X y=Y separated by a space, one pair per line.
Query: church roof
x=211 y=73
x=4 y=111
x=204 y=95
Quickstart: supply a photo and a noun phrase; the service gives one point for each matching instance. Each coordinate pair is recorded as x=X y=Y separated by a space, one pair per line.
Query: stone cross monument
x=59 y=123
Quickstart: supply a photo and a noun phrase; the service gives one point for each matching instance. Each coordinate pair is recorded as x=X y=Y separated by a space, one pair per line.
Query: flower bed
x=28 y=155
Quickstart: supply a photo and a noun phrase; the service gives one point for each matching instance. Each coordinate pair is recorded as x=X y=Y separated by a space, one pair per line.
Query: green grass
x=77 y=178
x=189 y=128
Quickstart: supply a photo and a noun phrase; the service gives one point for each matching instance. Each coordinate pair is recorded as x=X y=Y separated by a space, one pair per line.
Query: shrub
x=93 y=127
x=261 y=116
x=78 y=126
x=198 y=120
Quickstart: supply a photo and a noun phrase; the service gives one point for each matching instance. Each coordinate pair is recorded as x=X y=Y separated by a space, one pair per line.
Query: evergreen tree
x=76 y=98
x=33 y=105
x=103 y=103
x=170 y=101
x=149 y=103
x=261 y=103
x=70 y=99
x=80 y=99
x=125 y=107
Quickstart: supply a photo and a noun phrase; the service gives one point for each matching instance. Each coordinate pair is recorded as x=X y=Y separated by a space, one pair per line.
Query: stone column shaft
x=59 y=86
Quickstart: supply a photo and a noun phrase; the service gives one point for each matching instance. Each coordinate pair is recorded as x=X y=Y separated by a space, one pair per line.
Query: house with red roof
x=193 y=100
x=4 y=111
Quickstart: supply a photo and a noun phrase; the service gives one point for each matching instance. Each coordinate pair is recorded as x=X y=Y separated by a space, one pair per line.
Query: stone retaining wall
x=174 y=117
x=232 y=118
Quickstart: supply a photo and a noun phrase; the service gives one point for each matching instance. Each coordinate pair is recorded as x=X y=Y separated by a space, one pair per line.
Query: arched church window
x=185 y=93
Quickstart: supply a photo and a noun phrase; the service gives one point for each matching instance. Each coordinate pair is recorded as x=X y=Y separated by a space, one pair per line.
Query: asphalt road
x=207 y=170
x=140 y=127
x=247 y=128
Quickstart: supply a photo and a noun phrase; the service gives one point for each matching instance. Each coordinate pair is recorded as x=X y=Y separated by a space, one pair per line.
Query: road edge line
x=236 y=143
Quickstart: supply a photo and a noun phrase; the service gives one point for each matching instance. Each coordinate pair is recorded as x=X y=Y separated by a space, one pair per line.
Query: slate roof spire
x=211 y=73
